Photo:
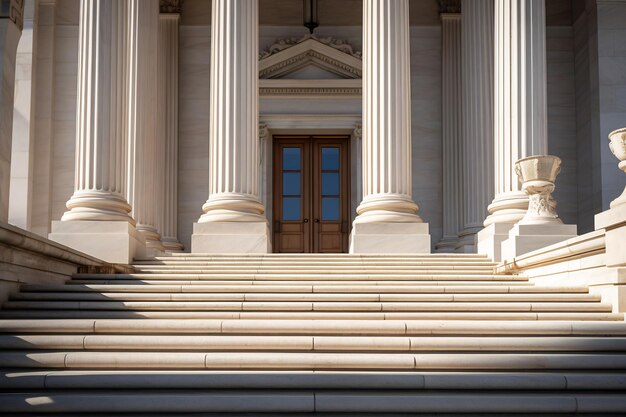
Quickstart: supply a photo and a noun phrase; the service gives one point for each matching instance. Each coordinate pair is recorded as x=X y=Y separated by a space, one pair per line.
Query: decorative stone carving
x=282 y=44
x=618 y=147
x=170 y=6
x=358 y=131
x=537 y=175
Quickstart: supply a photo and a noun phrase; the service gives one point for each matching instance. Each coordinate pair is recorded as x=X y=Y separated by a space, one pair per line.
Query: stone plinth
x=231 y=237
x=111 y=241
x=383 y=237
x=489 y=239
x=523 y=238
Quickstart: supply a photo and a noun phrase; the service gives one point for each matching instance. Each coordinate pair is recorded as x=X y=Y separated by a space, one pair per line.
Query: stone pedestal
x=489 y=239
x=410 y=238
x=541 y=225
x=387 y=210
x=523 y=238
x=112 y=241
x=231 y=237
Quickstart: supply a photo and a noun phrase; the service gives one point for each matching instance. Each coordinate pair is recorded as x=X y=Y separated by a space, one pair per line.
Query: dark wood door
x=311 y=194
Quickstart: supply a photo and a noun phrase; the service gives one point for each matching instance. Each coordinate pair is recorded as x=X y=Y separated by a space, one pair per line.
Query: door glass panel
x=291 y=159
x=330 y=159
x=291 y=183
x=291 y=208
x=330 y=208
x=330 y=183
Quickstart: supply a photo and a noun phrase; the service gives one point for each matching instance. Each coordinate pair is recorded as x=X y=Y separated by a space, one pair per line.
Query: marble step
x=309 y=315
x=305 y=277
x=300 y=288
x=354 y=380
x=277 y=402
x=321 y=263
x=291 y=343
x=318 y=269
x=322 y=256
x=308 y=327
x=66 y=359
x=368 y=283
x=290 y=297
x=293 y=306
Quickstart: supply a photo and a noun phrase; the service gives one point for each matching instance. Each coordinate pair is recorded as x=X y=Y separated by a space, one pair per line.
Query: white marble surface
x=570 y=122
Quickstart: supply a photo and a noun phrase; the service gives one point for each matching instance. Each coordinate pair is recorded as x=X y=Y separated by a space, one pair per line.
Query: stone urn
x=618 y=147
x=537 y=175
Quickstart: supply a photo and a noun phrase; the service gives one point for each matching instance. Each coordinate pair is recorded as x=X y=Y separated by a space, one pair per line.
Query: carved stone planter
x=537 y=175
x=618 y=147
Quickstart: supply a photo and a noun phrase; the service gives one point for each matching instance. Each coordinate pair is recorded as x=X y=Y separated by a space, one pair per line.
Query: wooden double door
x=311 y=194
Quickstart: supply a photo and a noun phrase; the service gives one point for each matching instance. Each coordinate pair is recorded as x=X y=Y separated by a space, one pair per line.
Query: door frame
x=310 y=204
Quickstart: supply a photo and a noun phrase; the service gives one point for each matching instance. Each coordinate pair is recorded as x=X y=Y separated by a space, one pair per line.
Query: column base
x=172 y=245
x=489 y=239
x=614 y=223
x=112 y=241
x=466 y=243
x=231 y=237
x=390 y=238
x=447 y=244
x=524 y=238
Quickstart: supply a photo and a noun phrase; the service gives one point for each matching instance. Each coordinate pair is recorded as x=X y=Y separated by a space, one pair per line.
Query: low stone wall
x=578 y=261
x=27 y=258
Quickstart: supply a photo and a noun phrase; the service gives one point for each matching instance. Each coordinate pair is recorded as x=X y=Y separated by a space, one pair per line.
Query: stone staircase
x=295 y=334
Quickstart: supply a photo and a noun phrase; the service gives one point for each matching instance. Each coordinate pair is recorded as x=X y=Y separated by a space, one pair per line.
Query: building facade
x=143 y=127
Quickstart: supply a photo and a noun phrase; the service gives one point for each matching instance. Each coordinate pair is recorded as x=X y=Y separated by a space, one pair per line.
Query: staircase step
x=183 y=343
x=312 y=361
x=336 y=327
x=304 y=277
x=327 y=380
x=351 y=289
x=309 y=306
x=310 y=402
x=308 y=296
x=369 y=283
x=306 y=315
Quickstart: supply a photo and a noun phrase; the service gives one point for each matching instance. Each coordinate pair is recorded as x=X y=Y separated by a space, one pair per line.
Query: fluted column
x=451 y=91
x=11 y=20
x=101 y=145
x=387 y=203
x=520 y=101
x=233 y=219
x=98 y=220
x=477 y=142
x=233 y=121
x=168 y=127
x=144 y=186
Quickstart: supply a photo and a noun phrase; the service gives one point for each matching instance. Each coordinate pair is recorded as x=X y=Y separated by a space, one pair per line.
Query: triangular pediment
x=310 y=59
